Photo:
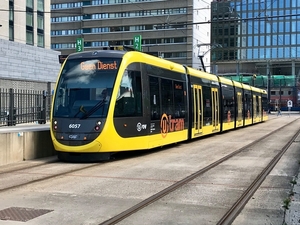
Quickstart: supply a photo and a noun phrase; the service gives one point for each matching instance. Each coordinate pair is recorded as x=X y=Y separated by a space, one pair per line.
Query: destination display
x=99 y=66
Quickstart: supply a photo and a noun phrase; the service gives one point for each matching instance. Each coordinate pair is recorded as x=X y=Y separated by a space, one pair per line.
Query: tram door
x=198 y=107
x=239 y=110
x=215 y=108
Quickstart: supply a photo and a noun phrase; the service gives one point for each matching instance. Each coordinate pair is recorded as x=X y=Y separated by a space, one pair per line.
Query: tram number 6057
x=74 y=125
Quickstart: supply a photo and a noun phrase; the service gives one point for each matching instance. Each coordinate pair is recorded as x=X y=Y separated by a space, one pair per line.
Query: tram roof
x=97 y=54
x=155 y=61
x=227 y=81
x=201 y=74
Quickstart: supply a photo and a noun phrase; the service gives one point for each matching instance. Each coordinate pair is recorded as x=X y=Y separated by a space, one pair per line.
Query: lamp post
x=253 y=79
x=279 y=93
x=269 y=84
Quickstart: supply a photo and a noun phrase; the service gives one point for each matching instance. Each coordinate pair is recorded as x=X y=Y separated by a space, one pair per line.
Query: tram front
x=81 y=102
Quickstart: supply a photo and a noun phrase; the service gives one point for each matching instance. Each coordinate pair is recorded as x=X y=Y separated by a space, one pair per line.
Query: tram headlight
x=54 y=125
x=97 y=126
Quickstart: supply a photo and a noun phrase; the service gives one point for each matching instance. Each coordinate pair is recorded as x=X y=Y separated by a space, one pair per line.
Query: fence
x=24 y=106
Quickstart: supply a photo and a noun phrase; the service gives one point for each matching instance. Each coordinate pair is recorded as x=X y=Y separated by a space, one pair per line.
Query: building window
x=11 y=11
x=29 y=22
x=40 y=5
x=29 y=19
x=29 y=37
x=29 y=3
x=11 y=33
x=40 y=22
x=11 y=20
x=40 y=40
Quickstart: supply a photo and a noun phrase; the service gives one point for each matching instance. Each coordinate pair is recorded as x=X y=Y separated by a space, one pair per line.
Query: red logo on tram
x=167 y=124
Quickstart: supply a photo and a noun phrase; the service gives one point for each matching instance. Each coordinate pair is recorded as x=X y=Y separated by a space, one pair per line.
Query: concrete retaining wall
x=20 y=146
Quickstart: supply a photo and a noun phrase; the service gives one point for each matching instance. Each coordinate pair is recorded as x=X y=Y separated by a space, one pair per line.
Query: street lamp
x=253 y=79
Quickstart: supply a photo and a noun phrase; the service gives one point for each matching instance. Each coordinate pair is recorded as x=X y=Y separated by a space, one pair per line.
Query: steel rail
x=49 y=177
x=238 y=206
x=28 y=167
x=123 y=215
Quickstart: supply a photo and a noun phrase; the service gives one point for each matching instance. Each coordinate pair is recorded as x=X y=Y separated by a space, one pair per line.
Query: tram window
x=167 y=96
x=265 y=103
x=154 y=98
x=228 y=102
x=207 y=105
x=129 y=98
x=248 y=104
x=179 y=96
x=257 y=104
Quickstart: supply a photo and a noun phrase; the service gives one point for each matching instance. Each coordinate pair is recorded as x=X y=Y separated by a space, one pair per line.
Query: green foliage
x=286 y=203
x=293 y=182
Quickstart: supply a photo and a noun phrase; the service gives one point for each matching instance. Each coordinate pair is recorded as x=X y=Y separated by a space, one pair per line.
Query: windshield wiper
x=81 y=110
x=93 y=109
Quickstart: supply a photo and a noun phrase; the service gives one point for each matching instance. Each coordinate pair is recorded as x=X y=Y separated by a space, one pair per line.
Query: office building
x=167 y=28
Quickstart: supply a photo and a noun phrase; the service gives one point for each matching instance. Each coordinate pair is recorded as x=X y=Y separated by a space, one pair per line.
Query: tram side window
x=228 y=102
x=248 y=105
x=207 y=105
x=179 y=96
x=167 y=97
x=257 y=104
x=265 y=103
x=129 y=98
x=154 y=98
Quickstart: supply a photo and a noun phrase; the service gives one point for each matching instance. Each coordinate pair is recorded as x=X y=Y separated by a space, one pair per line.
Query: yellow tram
x=109 y=101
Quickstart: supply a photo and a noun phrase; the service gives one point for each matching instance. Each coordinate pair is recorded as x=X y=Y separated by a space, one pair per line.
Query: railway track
x=29 y=175
x=7 y=171
x=12 y=178
x=234 y=211
x=34 y=176
x=20 y=167
x=236 y=208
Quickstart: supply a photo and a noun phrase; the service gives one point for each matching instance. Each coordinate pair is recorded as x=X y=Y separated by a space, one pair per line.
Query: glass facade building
x=256 y=37
x=256 y=30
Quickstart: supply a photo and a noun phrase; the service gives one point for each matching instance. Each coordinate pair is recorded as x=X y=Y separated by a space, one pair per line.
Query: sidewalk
x=292 y=216
x=284 y=112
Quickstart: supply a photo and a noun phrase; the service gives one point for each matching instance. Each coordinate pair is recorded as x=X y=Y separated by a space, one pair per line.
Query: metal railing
x=24 y=106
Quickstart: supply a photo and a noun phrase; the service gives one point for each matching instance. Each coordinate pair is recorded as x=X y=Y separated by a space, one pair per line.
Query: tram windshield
x=84 y=88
